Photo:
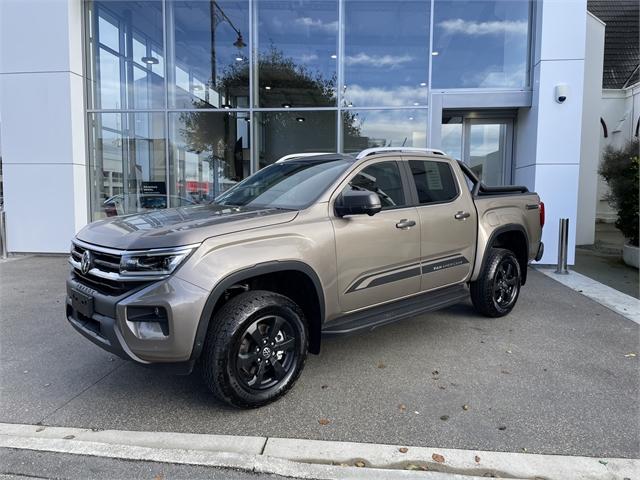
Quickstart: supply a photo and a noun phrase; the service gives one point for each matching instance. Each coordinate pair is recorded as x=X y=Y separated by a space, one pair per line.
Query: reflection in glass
x=487 y=152
x=127 y=54
x=211 y=66
x=480 y=43
x=283 y=133
x=451 y=136
x=386 y=53
x=127 y=163
x=209 y=152
x=297 y=53
x=384 y=128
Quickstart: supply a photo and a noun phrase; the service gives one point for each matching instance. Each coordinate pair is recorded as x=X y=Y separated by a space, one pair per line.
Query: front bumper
x=108 y=327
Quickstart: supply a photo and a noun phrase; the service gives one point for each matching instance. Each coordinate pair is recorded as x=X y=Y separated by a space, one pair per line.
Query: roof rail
x=371 y=151
x=300 y=155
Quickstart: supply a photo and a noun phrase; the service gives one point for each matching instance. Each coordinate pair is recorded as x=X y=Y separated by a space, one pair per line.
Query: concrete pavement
x=553 y=377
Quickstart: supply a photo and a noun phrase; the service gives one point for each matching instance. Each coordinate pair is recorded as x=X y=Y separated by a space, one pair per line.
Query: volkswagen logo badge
x=85 y=263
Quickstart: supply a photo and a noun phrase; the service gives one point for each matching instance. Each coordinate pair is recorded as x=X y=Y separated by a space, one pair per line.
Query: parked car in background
x=121 y=204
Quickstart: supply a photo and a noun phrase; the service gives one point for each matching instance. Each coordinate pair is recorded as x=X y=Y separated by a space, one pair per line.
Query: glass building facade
x=187 y=97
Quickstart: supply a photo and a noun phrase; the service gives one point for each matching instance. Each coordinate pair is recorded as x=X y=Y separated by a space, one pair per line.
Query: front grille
x=104 y=262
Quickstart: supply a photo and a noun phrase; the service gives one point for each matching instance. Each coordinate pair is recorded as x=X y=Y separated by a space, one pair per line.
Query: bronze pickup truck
x=315 y=245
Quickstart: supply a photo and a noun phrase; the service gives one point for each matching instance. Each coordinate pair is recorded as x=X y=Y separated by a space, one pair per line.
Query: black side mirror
x=358 y=202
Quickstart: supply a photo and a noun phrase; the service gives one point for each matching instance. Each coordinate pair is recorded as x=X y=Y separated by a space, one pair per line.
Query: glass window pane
x=211 y=65
x=487 y=152
x=384 y=128
x=384 y=179
x=434 y=181
x=480 y=43
x=451 y=136
x=127 y=163
x=283 y=133
x=128 y=60
x=209 y=153
x=386 y=53
x=297 y=53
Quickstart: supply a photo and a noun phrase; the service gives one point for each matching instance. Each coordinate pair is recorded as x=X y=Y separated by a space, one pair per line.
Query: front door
x=378 y=256
x=448 y=223
x=483 y=140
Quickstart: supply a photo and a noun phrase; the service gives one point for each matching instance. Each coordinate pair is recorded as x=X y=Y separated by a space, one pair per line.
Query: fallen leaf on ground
x=402 y=407
x=158 y=477
x=437 y=458
x=412 y=466
x=359 y=463
x=603 y=462
x=477 y=459
x=441 y=387
x=444 y=417
x=69 y=437
x=435 y=372
x=403 y=449
x=324 y=387
x=324 y=421
x=465 y=407
x=382 y=365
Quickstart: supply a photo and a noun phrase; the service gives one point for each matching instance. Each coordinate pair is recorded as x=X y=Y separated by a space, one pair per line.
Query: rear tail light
x=541 y=209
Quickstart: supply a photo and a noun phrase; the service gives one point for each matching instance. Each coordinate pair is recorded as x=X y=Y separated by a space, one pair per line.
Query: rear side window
x=434 y=181
x=384 y=179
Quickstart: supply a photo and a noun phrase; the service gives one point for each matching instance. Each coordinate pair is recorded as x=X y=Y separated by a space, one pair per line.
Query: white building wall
x=548 y=135
x=620 y=112
x=591 y=132
x=43 y=132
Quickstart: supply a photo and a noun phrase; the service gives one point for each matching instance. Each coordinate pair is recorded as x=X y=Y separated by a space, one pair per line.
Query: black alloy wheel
x=496 y=290
x=266 y=353
x=506 y=282
x=255 y=349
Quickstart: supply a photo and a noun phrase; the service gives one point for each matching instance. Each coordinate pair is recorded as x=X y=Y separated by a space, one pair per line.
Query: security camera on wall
x=562 y=93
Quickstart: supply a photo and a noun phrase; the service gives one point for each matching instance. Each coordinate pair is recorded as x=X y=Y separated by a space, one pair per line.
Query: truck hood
x=179 y=226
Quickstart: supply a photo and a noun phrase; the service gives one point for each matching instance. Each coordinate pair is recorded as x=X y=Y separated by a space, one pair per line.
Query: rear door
x=378 y=256
x=448 y=222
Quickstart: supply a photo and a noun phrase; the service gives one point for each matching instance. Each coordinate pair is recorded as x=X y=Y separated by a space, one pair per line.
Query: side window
x=384 y=179
x=434 y=181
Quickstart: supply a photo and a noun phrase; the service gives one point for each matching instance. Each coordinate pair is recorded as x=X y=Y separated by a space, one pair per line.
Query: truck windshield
x=290 y=185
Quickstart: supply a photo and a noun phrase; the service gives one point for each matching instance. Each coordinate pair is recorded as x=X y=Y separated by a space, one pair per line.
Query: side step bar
x=399 y=310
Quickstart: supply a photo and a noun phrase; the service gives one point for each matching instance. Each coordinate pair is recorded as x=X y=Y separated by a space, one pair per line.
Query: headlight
x=154 y=262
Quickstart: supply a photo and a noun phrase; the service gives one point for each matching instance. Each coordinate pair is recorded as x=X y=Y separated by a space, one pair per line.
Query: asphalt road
x=552 y=377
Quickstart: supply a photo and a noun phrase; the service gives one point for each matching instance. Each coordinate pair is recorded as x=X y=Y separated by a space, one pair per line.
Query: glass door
x=487 y=147
x=483 y=142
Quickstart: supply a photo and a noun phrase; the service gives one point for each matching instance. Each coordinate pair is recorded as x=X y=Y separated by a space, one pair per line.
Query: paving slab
x=552 y=377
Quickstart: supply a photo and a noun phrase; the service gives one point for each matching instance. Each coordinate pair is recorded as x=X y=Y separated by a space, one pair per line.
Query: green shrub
x=620 y=169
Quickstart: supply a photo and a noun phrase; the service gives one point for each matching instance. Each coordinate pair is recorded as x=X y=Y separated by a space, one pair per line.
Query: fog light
x=148 y=323
x=147 y=330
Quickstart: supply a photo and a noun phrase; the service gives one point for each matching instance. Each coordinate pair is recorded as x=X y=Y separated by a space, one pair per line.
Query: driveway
x=553 y=377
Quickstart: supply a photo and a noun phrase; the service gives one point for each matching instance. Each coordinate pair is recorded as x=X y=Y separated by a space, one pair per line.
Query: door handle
x=461 y=215
x=405 y=224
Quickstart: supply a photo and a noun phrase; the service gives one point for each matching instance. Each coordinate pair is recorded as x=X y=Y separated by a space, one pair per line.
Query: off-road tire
x=227 y=329
x=483 y=290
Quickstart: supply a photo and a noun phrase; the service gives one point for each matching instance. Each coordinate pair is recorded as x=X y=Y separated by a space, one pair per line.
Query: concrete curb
x=619 y=302
x=312 y=459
